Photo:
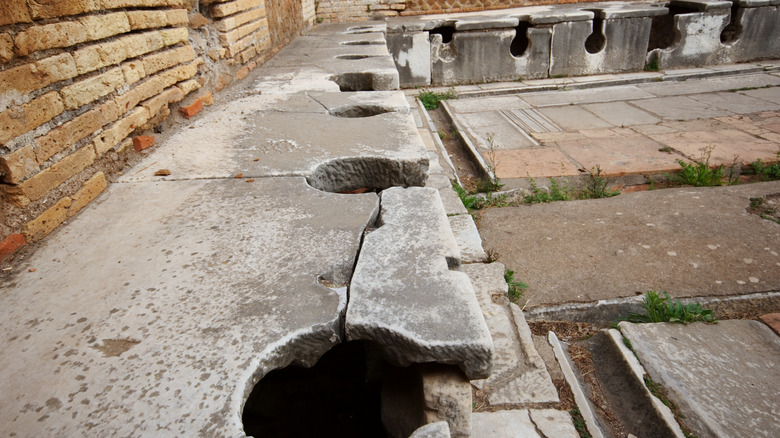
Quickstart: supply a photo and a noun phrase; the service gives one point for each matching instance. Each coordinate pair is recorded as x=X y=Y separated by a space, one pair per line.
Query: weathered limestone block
x=6 y=47
x=485 y=56
x=49 y=36
x=384 y=150
x=699 y=35
x=439 y=429
x=412 y=55
x=615 y=40
x=519 y=373
x=15 y=11
x=17 y=120
x=759 y=35
x=88 y=90
x=405 y=296
x=152 y=263
x=447 y=395
x=41 y=183
x=104 y=26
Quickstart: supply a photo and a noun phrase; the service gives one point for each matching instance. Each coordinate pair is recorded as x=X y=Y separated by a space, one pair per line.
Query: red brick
x=241 y=74
x=142 y=142
x=192 y=109
x=10 y=244
x=773 y=321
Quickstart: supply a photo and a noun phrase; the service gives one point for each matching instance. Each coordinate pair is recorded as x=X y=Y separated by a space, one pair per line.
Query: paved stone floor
x=629 y=125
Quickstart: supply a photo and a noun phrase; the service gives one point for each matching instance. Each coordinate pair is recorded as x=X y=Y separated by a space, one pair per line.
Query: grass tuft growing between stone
x=432 y=99
x=662 y=308
x=516 y=288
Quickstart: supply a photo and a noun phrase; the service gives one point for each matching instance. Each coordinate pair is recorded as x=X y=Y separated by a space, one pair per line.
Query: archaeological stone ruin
x=236 y=218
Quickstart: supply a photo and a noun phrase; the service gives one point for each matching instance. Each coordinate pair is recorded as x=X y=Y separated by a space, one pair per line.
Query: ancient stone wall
x=81 y=80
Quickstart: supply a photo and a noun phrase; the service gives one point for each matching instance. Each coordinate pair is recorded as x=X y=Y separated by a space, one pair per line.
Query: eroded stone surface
x=404 y=294
x=262 y=136
x=447 y=395
x=723 y=377
x=518 y=423
x=519 y=373
x=439 y=429
x=172 y=310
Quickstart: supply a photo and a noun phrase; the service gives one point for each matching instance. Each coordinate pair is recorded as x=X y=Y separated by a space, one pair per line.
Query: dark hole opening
x=520 y=41
x=356 y=81
x=359 y=111
x=663 y=34
x=596 y=41
x=362 y=43
x=446 y=33
x=733 y=30
x=340 y=396
x=354 y=57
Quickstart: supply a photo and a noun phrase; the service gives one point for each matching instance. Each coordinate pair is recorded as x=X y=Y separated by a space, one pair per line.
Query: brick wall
x=336 y=11
x=80 y=79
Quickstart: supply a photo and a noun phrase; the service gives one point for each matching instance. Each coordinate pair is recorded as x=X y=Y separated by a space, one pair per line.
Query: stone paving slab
x=260 y=136
x=620 y=155
x=536 y=162
x=175 y=307
x=724 y=376
x=726 y=145
x=523 y=424
x=680 y=108
x=621 y=114
x=675 y=88
x=688 y=241
x=553 y=98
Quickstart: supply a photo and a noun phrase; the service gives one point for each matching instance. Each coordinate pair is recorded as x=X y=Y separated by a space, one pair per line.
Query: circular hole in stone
x=345 y=175
x=354 y=57
x=362 y=43
x=339 y=396
x=358 y=111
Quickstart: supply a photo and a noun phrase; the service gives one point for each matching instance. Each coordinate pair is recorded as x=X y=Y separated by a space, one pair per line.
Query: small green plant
x=660 y=308
x=468 y=201
x=579 y=423
x=515 y=291
x=557 y=192
x=488 y=185
x=699 y=173
x=597 y=186
x=666 y=149
x=660 y=393
x=653 y=65
x=320 y=20
x=769 y=172
x=758 y=207
x=432 y=99
x=491 y=184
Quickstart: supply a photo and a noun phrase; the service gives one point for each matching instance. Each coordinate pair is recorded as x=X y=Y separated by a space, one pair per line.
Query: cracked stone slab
x=519 y=373
x=723 y=376
x=262 y=136
x=520 y=424
x=468 y=239
x=162 y=319
x=404 y=294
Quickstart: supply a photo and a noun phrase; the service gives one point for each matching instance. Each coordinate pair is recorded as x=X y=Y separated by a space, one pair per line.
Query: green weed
x=660 y=393
x=472 y=202
x=597 y=186
x=557 y=192
x=515 y=291
x=699 y=173
x=665 y=309
x=468 y=201
x=431 y=99
x=653 y=65
x=769 y=172
x=579 y=423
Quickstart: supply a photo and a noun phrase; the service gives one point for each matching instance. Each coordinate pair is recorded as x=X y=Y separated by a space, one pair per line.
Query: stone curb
x=638 y=371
